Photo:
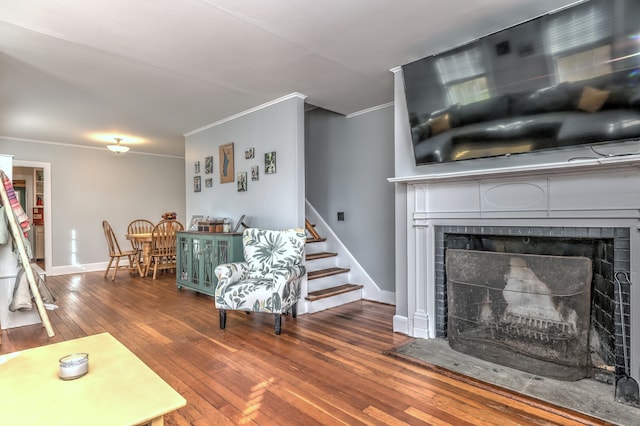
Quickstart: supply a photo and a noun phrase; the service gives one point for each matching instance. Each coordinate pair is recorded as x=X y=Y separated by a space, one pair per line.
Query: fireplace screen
x=528 y=312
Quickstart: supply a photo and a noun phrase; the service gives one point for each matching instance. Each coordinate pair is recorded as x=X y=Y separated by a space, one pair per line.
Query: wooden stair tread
x=320 y=255
x=333 y=291
x=315 y=240
x=320 y=273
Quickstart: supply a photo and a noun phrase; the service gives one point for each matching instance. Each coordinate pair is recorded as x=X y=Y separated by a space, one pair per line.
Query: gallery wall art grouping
x=227 y=171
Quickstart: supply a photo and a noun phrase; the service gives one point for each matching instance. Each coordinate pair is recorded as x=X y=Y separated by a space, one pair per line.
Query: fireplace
x=529 y=305
x=591 y=207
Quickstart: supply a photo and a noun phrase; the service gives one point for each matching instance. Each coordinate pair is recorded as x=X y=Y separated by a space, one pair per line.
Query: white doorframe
x=46 y=168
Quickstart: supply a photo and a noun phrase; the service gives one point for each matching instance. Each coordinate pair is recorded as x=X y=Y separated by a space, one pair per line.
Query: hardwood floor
x=325 y=368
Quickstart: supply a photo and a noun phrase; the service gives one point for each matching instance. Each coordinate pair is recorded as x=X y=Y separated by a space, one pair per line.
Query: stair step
x=333 y=291
x=320 y=255
x=316 y=240
x=312 y=275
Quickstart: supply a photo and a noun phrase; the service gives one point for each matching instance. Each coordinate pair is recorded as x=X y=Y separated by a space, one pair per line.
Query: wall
x=348 y=161
x=89 y=185
x=276 y=200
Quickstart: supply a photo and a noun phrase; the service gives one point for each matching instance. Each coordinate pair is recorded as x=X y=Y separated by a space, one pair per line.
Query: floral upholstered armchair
x=269 y=278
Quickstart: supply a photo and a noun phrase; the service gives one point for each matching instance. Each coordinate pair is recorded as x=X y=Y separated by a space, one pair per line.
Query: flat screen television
x=569 y=77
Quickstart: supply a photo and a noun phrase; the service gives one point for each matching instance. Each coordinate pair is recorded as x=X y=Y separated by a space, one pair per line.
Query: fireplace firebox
x=587 y=342
x=530 y=312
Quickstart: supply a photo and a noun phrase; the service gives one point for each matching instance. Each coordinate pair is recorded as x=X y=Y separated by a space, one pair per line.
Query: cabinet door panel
x=208 y=264
x=195 y=261
x=182 y=251
x=223 y=251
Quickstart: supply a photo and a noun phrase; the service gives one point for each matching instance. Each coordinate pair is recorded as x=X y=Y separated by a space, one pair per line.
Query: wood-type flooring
x=327 y=368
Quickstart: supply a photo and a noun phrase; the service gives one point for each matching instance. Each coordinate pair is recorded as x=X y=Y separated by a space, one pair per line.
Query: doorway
x=37 y=176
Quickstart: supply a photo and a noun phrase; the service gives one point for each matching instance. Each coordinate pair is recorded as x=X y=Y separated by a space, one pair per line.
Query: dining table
x=145 y=240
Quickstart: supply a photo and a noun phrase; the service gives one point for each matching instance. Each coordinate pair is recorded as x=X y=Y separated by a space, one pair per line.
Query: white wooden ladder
x=16 y=233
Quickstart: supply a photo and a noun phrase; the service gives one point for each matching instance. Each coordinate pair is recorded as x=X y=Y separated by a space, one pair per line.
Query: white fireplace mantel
x=615 y=162
x=602 y=192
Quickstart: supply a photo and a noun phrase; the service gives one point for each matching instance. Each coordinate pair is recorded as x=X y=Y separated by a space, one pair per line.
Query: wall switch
x=340 y=215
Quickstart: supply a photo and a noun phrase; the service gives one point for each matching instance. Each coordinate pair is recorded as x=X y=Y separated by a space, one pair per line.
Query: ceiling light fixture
x=117 y=148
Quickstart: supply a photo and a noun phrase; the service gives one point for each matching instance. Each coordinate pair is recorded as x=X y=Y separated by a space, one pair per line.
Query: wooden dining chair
x=115 y=254
x=139 y=226
x=163 y=246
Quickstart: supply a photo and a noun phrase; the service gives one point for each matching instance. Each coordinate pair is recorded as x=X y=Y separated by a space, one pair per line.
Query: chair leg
x=133 y=265
x=139 y=266
x=223 y=318
x=294 y=310
x=278 y=323
x=115 y=269
x=106 y=272
x=147 y=267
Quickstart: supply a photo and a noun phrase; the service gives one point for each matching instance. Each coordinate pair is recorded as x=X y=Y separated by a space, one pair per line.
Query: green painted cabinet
x=198 y=254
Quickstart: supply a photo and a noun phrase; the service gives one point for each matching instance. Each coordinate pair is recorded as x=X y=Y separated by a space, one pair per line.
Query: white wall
x=89 y=185
x=275 y=201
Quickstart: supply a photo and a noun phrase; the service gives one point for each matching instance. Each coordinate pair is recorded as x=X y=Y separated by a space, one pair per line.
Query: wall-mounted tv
x=570 y=77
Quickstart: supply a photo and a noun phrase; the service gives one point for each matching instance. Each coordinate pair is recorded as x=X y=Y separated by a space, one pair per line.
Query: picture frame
x=249 y=153
x=196 y=167
x=208 y=182
x=208 y=165
x=239 y=224
x=242 y=181
x=193 y=224
x=197 y=184
x=226 y=163
x=255 y=173
x=270 y=163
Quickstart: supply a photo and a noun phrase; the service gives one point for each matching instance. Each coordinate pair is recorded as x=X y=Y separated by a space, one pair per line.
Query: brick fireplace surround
x=591 y=198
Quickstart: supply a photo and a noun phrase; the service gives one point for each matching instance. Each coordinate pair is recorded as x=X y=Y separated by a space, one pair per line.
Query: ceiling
x=152 y=70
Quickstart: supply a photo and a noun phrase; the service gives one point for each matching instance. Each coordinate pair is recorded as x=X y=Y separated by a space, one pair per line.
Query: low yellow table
x=119 y=388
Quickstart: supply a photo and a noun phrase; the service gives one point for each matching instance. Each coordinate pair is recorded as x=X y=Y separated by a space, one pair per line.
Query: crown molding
x=246 y=112
x=365 y=111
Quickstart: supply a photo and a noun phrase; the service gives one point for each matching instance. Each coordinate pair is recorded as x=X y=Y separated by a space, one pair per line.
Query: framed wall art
x=226 y=163
x=208 y=165
x=255 y=173
x=193 y=224
x=270 y=163
x=241 y=222
x=208 y=182
x=196 y=167
x=242 y=181
x=197 y=184
x=249 y=153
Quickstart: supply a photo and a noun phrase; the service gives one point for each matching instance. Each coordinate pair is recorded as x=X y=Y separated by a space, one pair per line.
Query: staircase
x=327 y=279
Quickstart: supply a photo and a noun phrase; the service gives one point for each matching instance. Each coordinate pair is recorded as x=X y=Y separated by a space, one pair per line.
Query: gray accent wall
x=89 y=185
x=348 y=161
x=275 y=201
